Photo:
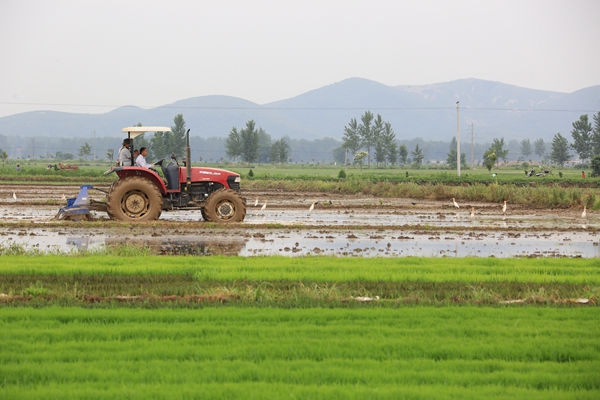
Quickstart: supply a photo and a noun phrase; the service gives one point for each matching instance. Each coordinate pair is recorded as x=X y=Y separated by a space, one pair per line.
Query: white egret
x=455 y=203
x=472 y=212
x=14 y=195
x=264 y=206
x=256 y=202
x=584 y=213
x=312 y=206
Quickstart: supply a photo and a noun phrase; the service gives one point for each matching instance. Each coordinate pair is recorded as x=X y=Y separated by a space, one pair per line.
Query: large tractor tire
x=224 y=206
x=134 y=199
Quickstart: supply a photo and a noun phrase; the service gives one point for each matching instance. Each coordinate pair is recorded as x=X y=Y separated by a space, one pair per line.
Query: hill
x=427 y=111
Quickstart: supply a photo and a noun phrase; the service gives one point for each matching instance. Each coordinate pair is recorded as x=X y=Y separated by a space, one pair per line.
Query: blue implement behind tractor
x=77 y=208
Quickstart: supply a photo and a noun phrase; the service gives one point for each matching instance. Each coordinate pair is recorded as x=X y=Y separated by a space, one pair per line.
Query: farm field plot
x=366 y=298
x=231 y=352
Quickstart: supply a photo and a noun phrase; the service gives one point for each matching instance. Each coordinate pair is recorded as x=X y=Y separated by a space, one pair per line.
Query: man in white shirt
x=140 y=161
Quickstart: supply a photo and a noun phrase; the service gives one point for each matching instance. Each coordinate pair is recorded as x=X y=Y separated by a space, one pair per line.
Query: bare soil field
x=341 y=225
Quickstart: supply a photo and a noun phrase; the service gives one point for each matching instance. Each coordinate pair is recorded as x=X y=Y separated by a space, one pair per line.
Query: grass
x=474 y=185
x=318 y=269
x=184 y=281
x=452 y=352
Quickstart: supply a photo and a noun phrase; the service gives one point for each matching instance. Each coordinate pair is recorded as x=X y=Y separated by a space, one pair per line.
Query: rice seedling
x=319 y=353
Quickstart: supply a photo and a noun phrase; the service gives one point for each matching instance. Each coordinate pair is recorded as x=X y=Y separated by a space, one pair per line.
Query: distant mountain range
x=428 y=111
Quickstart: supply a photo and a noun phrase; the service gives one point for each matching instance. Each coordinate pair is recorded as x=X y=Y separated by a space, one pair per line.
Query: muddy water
x=315 y=241
x=349 y=227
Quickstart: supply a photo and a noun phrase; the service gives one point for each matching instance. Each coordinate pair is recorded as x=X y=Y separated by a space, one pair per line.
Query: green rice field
x=317 y=353
x=134 y=326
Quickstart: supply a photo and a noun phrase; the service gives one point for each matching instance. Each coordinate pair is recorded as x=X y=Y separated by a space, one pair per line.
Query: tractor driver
x=124 y=157
x=140 y=161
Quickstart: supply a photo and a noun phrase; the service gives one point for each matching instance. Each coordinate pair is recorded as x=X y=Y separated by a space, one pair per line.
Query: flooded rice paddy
x=346 y=226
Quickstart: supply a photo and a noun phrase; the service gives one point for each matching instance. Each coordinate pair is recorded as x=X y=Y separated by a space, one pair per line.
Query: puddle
x=296 y=242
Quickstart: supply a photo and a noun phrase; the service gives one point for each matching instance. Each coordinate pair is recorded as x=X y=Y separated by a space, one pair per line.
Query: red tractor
x=141 y=194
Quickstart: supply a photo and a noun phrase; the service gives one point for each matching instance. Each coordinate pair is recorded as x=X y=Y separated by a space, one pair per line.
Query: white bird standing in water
x=256 y=202
x=14 y=195
x=584 y=213
x=312 y=206
x=472 y=212
x=264 y=206
x=455 y=203
x=63 y=197
x=504 y=210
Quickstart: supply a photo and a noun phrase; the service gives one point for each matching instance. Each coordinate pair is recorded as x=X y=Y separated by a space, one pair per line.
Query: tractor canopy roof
x=135 y=131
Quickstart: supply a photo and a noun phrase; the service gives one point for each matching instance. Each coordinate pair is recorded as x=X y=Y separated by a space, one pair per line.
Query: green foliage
x=233 y=144
x=249 y=142
x=342 y=174
x=85 y=150
x=560 y=150
x=526 y=149
x=250 y=173
x=582 y=138
x=489 y=159
x=539 y=148
x=418 y=157
x=596 y=166
x=279 y=151
x=351 y=139
x=451 y=160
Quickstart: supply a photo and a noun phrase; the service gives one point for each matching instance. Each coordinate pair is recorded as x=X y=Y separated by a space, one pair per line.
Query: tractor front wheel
x=224 y=206
x=134 y=199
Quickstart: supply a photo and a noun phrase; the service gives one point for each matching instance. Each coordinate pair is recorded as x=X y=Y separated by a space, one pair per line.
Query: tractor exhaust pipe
x=188 y=159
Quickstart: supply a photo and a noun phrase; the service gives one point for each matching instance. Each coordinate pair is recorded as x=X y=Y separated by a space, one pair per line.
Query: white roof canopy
x=135 y=131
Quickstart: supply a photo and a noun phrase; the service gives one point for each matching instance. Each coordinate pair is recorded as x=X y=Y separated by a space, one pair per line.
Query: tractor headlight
x=237 y=179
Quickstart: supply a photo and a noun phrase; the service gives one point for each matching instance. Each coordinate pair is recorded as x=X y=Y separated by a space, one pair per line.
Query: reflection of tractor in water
x=141 y=194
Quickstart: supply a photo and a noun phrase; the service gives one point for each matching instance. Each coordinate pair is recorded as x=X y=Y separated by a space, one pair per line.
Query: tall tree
x=249 y=138
x=526 y=149
x=451 y=160
x=379 y=145
x=596 y=134
x=366 y=132
x=560 y=150
x=489 y=159
x=351 y=139
x=403 y=153
x=3 y=157
x=264 y=145
x=159 y=145
x=110 y=154
x=582 y=138
x=418 y=156
x=498 y=148
x=178 y=136
x=279 y=151
x=85 y=150
x=389 y=139
x=539 y=148
x=233 y=144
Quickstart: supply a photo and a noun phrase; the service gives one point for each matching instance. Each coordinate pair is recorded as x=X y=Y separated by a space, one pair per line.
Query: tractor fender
x=124 y=172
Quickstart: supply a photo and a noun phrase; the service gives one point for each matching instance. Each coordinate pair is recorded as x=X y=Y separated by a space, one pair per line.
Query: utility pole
x=458 y=137
x=472 y=146
x=94 y=145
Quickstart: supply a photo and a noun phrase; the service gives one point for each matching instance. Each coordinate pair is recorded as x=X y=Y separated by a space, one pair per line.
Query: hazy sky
x=94 y=56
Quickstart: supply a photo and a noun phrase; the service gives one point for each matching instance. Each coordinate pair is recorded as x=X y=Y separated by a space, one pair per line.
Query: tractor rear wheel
x=224 y=206
x=134 y=199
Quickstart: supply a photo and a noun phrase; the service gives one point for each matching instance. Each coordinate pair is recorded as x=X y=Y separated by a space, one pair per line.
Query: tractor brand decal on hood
x=209 y=173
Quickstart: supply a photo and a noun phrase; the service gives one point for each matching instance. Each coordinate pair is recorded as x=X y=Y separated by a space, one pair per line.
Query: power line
x=266 y=108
